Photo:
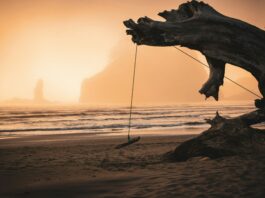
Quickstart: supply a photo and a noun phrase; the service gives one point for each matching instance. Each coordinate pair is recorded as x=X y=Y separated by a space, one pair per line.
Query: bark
x=221 y=39
x=226 y=137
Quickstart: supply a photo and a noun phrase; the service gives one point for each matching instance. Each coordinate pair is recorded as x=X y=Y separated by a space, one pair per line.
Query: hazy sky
x=65 y=41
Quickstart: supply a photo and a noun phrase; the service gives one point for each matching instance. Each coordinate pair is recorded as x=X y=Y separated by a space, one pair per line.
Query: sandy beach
x=80 y=77
x=80 y=165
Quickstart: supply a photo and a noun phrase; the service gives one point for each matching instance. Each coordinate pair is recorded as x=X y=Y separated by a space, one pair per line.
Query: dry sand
x=89 y=166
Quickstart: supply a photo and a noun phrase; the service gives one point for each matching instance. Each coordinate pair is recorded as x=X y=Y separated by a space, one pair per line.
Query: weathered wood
x=221 y=39
x=226 y=137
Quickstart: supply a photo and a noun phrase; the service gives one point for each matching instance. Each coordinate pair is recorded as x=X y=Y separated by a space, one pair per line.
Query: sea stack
x=38 y=92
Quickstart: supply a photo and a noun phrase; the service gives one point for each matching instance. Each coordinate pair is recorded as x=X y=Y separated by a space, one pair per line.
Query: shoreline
x=45 y=139
x=146 y=132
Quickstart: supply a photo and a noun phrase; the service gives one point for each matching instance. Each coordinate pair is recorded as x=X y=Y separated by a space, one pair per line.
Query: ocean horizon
x=38 y=120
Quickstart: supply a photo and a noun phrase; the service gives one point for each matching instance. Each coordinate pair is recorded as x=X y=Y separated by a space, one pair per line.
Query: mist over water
x=111 y=120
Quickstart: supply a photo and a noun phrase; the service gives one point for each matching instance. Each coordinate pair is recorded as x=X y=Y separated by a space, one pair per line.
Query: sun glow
x=62 y=54
x=64 y=42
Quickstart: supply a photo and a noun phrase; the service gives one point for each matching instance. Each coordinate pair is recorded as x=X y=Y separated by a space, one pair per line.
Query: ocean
x=181 y=118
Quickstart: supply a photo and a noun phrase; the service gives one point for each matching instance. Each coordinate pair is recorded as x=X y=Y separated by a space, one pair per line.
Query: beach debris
x=226 y=137
x=221 y=39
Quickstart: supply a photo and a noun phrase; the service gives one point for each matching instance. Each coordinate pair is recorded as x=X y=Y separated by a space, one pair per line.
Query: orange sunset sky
x=80 y=50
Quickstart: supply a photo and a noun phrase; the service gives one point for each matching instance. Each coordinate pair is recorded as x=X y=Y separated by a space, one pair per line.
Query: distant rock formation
x=38 y=92
x=38 y=98
x=162 y=77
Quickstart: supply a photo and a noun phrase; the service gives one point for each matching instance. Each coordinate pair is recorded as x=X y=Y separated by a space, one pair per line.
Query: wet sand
x=79 y=165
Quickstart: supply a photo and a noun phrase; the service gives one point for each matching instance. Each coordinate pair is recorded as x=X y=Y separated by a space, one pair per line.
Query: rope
x=241 y=86
x=132 y=92
x=197 y=60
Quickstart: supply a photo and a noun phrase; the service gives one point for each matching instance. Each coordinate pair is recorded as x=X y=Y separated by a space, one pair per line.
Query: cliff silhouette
x=38 y=92
x=159 y=79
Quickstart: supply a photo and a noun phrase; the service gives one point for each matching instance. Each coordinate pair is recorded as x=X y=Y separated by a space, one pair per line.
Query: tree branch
x=221 y=39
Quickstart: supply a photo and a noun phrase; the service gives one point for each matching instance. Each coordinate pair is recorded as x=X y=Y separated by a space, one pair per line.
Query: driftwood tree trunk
x=226 y=137
x=221 y=40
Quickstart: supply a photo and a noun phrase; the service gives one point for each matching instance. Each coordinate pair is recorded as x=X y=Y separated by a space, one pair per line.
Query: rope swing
x=132 y=92
x=136 y=139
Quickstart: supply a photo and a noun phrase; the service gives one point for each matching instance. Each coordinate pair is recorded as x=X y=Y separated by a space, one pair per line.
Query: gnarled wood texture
x=221 y=39
x=226 y=137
